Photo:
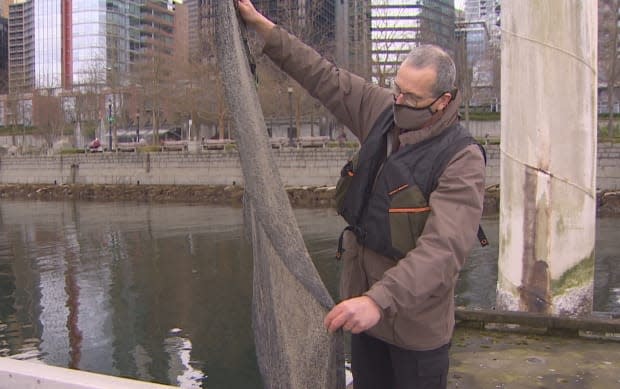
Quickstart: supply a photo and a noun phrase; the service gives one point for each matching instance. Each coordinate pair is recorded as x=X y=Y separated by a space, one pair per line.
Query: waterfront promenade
x=297 y=167
x=512 y=360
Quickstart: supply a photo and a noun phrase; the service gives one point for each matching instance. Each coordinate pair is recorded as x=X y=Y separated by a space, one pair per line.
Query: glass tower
x=399 y=25
x=105 y=39
x=48 y=44
x=63 y=43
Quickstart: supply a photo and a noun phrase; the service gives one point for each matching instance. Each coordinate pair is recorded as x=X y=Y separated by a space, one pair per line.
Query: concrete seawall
x=311 y=166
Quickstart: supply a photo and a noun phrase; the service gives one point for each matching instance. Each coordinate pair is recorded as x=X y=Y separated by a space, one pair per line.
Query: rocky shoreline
x=608 y=202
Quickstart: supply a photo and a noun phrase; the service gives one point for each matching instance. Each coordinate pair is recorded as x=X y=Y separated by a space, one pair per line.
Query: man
x=413 y=204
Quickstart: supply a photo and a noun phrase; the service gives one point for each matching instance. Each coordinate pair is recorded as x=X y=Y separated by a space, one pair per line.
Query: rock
x=608 y=203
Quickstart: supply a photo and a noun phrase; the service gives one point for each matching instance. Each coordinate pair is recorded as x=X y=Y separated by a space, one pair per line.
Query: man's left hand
x=356 y=315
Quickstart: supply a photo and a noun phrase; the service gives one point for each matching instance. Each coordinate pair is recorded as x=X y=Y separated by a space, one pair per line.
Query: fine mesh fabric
x=289 y=299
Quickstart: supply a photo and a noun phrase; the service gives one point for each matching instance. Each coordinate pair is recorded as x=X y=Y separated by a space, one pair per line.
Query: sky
x=459 y=4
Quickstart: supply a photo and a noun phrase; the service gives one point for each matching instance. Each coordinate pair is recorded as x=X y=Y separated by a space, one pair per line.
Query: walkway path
x=493 y=359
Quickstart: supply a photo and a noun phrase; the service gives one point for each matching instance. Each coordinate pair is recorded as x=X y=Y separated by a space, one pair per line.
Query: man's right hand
x=255 y=19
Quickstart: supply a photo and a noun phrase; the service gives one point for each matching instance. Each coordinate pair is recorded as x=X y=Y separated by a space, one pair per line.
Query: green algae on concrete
x=579 y=275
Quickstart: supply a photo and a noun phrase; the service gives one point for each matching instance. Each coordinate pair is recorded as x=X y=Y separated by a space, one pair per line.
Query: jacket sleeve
x=352 y=100
x=430 y=270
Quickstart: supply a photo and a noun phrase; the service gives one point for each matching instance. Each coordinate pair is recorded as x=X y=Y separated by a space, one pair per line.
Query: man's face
x=413 y=87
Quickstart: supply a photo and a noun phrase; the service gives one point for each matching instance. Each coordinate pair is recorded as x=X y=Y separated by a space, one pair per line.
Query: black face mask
x=409 y=118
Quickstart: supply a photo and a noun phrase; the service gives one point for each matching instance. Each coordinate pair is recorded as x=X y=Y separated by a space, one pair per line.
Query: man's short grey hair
x=431 y=55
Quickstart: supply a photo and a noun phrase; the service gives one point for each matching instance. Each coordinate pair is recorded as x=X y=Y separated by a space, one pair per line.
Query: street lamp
x=290 y=115
x=109 y=125
x=138 y=128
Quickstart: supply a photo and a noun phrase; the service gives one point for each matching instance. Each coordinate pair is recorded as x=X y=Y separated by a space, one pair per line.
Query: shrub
x=148 y=149
x=72 y=151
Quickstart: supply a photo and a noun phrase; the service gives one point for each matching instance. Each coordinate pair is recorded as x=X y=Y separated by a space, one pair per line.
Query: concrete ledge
x=314 y=166
x=481 y=318
x=15 y=374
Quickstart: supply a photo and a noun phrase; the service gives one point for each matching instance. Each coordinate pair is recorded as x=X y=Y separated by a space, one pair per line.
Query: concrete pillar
x=548 y=156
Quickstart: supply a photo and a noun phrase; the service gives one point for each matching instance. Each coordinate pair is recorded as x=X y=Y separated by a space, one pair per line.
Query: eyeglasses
x=409 y=98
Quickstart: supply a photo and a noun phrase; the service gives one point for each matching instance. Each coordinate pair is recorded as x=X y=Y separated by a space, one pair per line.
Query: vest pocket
x=407 y=214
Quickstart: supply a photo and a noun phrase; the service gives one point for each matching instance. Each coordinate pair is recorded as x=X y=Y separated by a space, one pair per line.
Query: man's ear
x=445 y=100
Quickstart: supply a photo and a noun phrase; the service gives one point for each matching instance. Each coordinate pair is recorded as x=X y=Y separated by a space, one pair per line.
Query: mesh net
x=289 y=299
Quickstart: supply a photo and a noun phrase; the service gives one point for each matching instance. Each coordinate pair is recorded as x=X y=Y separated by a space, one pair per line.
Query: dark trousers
x=376 y=364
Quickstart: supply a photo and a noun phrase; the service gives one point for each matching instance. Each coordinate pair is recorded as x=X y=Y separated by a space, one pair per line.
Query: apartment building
x=61 y=44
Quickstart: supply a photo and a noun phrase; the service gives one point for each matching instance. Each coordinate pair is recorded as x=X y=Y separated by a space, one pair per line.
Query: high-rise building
x=21 y=46
x=482 y=26
x=181 y=33
x=399 y=25
x=353 y=36
x=478 y=9
x=486 y=10
x=194 y=26
x=480 y=33
x=4 y=54
x=49 y=50
x=156 y=28
x=4 y=8
x=61 y=44
x=314 y=21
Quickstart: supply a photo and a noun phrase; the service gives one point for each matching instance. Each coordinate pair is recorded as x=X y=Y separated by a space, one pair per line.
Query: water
x=162 y=292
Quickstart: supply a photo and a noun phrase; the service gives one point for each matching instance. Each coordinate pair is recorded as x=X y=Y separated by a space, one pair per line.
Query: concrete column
x=548 y=156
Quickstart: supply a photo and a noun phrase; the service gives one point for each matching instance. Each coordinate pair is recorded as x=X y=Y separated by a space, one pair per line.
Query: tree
x=390 y=43
x=196 y=95
x=152 y=76
x=464 y=70
x=306 y=21
x=88 y=105
x=48 y=115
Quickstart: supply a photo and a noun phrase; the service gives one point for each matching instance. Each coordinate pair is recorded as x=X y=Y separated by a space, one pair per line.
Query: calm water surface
x=162 y=292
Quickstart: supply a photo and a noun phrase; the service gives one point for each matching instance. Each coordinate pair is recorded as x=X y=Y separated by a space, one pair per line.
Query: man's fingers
x=354 y=315
x=336 y=318
x=330 y=316
x=337 y=322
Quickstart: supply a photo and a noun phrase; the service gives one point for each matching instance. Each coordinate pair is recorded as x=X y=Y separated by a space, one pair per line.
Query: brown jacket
x=416 y=294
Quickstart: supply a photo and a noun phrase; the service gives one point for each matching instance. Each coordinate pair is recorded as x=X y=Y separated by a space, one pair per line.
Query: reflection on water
x=162 y=292
x=477 y=282
x=100 y=287
x=179 y=349
x=478 y=278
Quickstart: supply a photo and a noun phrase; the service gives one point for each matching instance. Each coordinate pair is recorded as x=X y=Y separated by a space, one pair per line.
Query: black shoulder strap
x=370 y=157
x=439 y=167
